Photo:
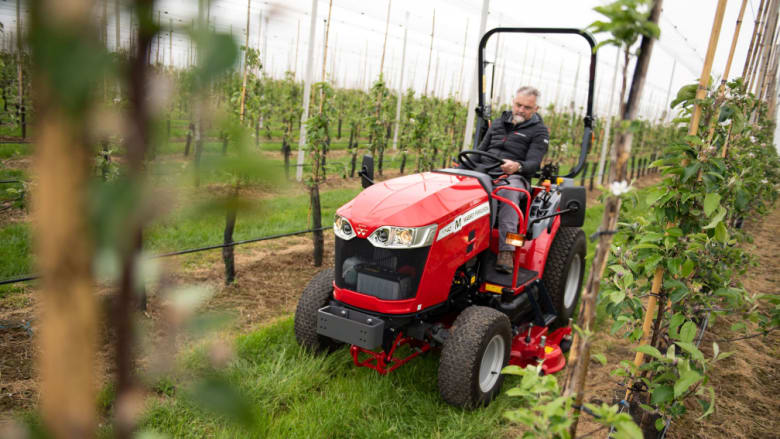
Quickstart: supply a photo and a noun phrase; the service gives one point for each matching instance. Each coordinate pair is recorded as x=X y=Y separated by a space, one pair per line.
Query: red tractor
x=414 y=265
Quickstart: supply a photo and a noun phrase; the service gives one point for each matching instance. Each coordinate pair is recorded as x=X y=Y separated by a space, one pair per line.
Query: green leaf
x=662 y=394
x=601 y=358
x=674 y=325
x=660 y=423
x=627 y=430
x=721 y=234
x=717 y=219
x=690 y=171
x=687 y=268
x=654 y=195
x=688 y=332
x=691 y=349
x=711 y=202
x=711 y=406
x=649 y=350
x=687 y=379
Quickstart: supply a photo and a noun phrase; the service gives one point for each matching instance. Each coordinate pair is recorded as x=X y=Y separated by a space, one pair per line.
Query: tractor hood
x=413 y=201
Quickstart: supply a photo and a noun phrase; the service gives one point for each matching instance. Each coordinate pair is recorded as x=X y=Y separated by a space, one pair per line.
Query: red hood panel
x=412 y=201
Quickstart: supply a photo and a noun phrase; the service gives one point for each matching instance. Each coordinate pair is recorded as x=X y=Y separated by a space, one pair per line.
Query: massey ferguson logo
x=361 y=230
x=463 y=220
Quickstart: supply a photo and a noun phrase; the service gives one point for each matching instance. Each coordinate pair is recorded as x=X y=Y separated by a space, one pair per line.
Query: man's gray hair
x=529 y=91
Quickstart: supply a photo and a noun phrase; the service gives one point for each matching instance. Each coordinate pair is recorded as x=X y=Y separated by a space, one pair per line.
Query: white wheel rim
x=572 y=281
x=492 y=362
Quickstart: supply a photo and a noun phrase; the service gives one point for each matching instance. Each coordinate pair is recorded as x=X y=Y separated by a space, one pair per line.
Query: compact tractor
x=414 y=266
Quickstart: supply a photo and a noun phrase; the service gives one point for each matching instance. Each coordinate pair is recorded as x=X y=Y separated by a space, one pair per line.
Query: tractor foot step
x=549 y=318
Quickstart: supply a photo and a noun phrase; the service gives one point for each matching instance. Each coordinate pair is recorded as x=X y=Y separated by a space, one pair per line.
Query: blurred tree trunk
x=230 y=225
x=67 y=341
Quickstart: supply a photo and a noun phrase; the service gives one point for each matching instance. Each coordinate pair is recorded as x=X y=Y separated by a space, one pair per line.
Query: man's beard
x=517 y=118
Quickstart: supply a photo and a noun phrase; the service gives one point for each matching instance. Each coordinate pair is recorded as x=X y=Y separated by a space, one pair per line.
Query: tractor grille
x=389 y=274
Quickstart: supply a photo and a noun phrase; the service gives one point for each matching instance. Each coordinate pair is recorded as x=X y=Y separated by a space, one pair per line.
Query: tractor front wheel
x=316 y=295
x=564 y=270
x=473 y=355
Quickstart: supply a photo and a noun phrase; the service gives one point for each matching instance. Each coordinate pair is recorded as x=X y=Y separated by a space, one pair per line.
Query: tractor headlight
x=403 y=237
x=342 y=228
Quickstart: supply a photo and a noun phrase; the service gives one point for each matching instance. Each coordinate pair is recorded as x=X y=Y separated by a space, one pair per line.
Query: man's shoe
x=505 y=262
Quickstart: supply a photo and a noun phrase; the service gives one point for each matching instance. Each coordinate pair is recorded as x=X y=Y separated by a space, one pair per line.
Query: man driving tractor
x=521 y=139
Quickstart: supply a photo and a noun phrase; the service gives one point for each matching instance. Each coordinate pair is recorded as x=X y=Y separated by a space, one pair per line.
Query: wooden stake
x=297 y=42
x=400 y=85
x=760 y=42
x=724 y=79
x=652 y=307
x=767 y=56
x=307 y=90
x=701 y=92
x=117 y=25
x=246 y=58
x=170 y=43
x=430 y=55
x=384 y=45
x=752 y=46
x=463 y=61
x=157 y=53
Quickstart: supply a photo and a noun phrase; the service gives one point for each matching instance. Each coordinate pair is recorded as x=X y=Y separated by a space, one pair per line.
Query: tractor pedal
x=549 y=318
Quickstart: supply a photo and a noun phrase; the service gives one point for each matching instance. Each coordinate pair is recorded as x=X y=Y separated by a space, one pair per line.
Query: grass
x=192 y=228
x=289 y=393
x=15 y=253
x=10 y=150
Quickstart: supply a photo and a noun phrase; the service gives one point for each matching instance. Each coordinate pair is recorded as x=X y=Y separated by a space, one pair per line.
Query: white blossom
x=619 y=187
x=753 y=139
x=764 y=181
x=725 y=123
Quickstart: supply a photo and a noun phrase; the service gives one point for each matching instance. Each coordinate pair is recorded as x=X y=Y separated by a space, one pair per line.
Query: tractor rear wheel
x=473 y=355
x=564 y=271
x=317 y=294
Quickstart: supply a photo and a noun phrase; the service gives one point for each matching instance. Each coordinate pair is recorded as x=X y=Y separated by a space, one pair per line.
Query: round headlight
x=404 y=236
x=383 y=235
x=346 y=228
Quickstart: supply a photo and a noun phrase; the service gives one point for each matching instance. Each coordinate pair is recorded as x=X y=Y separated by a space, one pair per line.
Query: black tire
x=317 y=294
x=462 y=357
x=568 y=246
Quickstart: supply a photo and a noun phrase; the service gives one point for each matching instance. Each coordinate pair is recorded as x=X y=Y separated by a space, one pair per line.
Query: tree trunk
x=68 y=314
x=338 y=133
x=198 y=150
x=257 y=130
x=286 y=153
x=403 y=162
x=227 y=251
x=190 y=130
x=579 y=358
x=316 y=218
x=105 y=163
x=224 y=144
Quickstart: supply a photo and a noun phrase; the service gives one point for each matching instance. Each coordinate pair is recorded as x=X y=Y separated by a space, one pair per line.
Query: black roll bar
x=484 y=113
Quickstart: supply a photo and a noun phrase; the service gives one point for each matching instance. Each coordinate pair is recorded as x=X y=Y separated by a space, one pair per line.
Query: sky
x=555 y=65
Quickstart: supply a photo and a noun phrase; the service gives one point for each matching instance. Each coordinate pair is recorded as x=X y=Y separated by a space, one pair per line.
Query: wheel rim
x=572 y=281
x=492 y=362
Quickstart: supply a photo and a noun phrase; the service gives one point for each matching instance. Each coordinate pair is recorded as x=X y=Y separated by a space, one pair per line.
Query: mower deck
x=531 y=347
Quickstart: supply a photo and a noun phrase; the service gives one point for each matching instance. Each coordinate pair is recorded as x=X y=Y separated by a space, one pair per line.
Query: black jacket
x=525 y=142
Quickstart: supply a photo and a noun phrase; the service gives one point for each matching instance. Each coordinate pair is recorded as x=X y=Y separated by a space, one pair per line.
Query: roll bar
x=484 y=112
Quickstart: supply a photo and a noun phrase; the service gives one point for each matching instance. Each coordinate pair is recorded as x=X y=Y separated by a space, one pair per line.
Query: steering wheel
x=466 y=161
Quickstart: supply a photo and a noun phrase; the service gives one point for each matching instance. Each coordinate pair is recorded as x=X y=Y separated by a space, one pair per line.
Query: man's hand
x=510 y=167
